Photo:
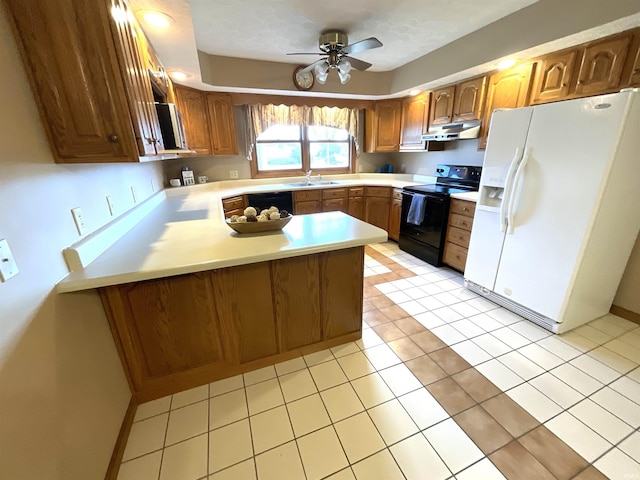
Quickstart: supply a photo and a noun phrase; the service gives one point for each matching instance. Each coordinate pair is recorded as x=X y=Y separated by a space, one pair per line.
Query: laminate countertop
x=186 y=233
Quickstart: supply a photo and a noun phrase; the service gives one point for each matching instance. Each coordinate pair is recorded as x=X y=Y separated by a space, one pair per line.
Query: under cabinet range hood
x=453 y=131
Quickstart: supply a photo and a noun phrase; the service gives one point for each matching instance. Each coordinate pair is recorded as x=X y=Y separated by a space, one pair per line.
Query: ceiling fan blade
x=358 y=64
x=308 y=68
x=362 y=45
x=308 y=53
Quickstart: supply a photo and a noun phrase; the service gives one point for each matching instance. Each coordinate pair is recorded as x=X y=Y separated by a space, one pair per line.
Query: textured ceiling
x=408 y=29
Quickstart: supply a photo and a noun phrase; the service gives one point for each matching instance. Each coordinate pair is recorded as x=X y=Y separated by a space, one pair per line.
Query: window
x=286 y=150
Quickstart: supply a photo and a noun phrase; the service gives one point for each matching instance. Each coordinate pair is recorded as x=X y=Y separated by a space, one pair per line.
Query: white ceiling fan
x=334 y=46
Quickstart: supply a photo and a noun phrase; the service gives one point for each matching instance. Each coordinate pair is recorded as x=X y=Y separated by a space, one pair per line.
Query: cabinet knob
x=564 y=85
x=465 y=209
x=580 y=82
x=113 y=138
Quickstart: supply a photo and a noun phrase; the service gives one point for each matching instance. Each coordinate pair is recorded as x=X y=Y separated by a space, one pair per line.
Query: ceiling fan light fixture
x=344 y=66
x=344 y=77
x=322 y=72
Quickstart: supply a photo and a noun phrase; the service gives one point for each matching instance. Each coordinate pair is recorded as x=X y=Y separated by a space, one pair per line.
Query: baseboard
x=121 y=441
x=626 y=314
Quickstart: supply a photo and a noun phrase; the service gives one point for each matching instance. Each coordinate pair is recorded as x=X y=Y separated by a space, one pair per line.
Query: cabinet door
x=394 y=219
x=506 y=89
x=553 y=74
x=442 y=105
x=193 y=108
x=307 y=206
x=387 y=131
x=334 y=205
x=631 y=71
x=356 y=207
x=469 y=99
x=601 y=66
x=377 y=211
x=131 y=46
x=75 y=78
x=223 y=124
x=414 y=122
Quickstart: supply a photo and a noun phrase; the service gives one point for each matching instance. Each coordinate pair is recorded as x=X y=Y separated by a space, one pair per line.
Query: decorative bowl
x=257 y=227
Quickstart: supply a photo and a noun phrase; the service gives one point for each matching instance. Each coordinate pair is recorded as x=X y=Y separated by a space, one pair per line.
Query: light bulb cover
x=344 y=77
x=344 y=66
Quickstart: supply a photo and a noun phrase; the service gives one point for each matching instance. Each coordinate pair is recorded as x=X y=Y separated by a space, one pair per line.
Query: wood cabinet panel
x=245 y=308
x=631 y=71
x=377 y=211
x=553 y=77
x=334 y=193
x=382 y=126
x=505 y=89
x=378 y=191
x=601 y=66
x=442 y=105
x=335 y=205
x=460 y=221
x=193 y=107
x=463 y=207
x=395 y=212
x=455 y=256
x=461 y=214
x=341 y=291
x=302 y=195
x=296 y=300
x=307 y=206
x=356 y=191
x=132 y=51
x=76 y=79
x=469 y=99
x=356 y=207
x=458 y=236
x=222 y=124
x=414 y=122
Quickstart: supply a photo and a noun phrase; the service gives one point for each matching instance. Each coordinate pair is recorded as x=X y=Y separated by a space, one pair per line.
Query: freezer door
x=507 y=137
x=569 y=147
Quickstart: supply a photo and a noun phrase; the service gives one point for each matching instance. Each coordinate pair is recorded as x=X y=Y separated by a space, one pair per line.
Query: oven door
x=426 y=240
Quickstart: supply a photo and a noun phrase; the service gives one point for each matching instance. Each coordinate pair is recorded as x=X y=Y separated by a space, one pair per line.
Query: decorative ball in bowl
x=255 y=221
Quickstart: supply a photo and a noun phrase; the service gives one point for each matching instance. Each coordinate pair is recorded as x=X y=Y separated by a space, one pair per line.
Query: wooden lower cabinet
x=307 y=201
x=459 y=226
x=188 y=330
x=395 y=212
x=356 y=202
x=376 y=207
x=234 y=205
x=335 y=199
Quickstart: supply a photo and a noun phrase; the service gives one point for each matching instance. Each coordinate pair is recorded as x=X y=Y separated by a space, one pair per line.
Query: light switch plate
x=78 y=219
x=8 y=267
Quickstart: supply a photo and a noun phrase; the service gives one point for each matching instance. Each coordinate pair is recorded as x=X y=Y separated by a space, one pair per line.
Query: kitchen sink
x=311 y=184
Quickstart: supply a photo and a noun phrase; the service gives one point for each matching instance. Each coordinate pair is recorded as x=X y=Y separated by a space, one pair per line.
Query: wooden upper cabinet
x=601 y=66
x=132 y=48
x=469 y=99
x=553 y=76
x=192 y=105
x=505 y=89
x=222 y=124
x=76 y=79
x=442 y=105
x=382 y=126
x=414 y=122
x=631 y=70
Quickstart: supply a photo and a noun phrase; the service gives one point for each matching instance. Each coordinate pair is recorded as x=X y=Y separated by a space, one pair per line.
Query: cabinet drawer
x=458 y=236
x=460 y=221
x=233 y=203
x=396 y=194
x=334 y=205
x=455 y=256
x=334 y=193
x=304 y=195
x=307 y=206
x=231 y=213
x=378 y=191
x=356 y=191
x=463 y=207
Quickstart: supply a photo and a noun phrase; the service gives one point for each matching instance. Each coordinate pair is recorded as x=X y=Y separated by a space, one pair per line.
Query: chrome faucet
x=308 y=174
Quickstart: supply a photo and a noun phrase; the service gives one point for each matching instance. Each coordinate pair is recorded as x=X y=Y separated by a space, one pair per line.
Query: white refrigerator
x=558 y=208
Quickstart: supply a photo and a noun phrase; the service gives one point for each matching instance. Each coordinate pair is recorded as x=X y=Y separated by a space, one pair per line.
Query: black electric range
x=425 y=211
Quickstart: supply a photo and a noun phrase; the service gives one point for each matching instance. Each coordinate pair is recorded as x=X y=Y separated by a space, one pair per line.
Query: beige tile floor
x=443 y=384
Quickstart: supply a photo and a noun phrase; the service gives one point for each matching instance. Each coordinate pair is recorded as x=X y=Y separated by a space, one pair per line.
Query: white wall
x=63 y=392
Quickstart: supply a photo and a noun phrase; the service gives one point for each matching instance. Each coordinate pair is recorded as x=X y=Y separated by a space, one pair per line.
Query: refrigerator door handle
x=507 y=189
x=512 y=195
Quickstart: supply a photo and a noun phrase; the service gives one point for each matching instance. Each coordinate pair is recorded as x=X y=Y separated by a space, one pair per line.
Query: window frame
x=305 y=144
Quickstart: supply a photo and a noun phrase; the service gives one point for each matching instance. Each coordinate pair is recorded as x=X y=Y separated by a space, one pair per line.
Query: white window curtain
x=260 y=117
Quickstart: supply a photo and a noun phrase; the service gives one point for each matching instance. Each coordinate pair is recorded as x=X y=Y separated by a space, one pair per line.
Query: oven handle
x=437 y=198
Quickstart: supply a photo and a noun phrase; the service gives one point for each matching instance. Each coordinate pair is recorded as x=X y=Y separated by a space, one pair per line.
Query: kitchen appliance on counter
x=425 y=210
x=557 y=213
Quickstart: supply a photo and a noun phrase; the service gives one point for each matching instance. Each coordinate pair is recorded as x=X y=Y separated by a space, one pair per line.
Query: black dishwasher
x=282 y=200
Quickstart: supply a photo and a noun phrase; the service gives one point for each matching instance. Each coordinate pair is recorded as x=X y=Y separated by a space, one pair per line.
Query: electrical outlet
x=78 y=218
x=233 y=173
x=153 y=186
x=403 y=168
x=112 y=206
x=360 y=168
x=8 y=267
x=133 y=194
